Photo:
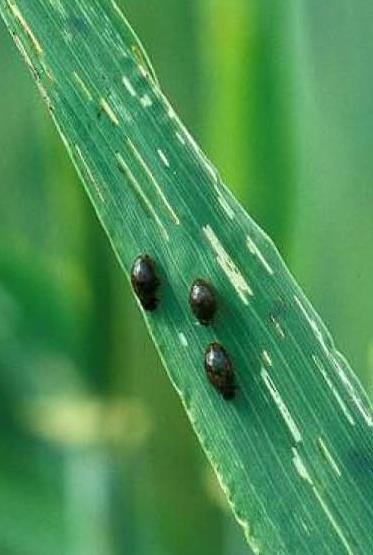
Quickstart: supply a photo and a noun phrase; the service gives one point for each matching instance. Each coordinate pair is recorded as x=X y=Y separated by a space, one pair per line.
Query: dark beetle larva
x=202 y=301
x=219 y=370
x=145 y=281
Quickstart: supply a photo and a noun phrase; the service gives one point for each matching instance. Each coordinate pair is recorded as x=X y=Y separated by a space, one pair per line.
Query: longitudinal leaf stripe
x=294 y=450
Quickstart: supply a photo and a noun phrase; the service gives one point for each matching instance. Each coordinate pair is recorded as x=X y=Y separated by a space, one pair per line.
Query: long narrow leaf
x=294 y=449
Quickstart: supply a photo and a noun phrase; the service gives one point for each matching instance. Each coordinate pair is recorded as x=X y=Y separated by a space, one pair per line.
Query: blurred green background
x=97 y=456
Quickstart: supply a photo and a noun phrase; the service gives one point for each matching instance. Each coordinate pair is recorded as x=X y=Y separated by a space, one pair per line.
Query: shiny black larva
x=202 y=301
x=145 y=281
x=219 y=370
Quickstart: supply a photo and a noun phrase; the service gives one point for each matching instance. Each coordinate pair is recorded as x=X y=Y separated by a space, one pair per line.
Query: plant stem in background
x=249 y=64
x=335 y=194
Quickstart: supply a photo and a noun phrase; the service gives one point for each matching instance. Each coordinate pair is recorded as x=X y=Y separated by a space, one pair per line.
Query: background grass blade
x=250 y=99
x=338 y=178
x=294 y=450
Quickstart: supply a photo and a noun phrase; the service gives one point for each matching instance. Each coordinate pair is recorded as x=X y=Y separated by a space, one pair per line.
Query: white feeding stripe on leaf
x=154 y=182
x=88 y=171
x=254 y=249
x=171 y=112
x=278 y=328
x=334 y=390
x=356 y=398
x=301 y=467
x=180 y=138
x=305 y=475
x=365 y=411
x=210 y=170
x=281 y=406
x=137 y=48
x=328 y=456
x=228 y=266
x=267 y=358
x=333 y=521
x=146 y=101
x=82 y=85
x=29 y=33
x=163 y=157
x=123 y=165
x=127 y=83
x=109 y=111
x=227 y=209
x=183 y=339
